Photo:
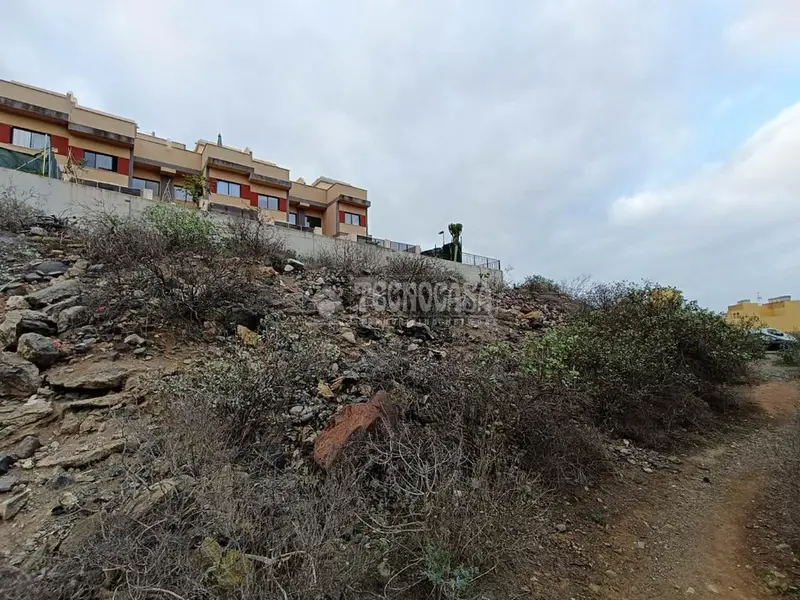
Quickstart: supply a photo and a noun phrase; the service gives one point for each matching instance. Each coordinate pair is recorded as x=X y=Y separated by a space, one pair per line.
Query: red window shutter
x=76 y=153
x=249 y=195
x=282 y=204
x=362 y=220
x=212 y=185
x=341 y=216
x=59 y=144
x=5 y=133
x=122 y=165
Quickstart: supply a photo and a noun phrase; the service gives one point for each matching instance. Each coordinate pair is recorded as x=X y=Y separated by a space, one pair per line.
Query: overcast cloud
x=620 y=138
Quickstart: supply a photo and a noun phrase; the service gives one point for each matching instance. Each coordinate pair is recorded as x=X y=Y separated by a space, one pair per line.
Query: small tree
x=196 y=186
x=455 y=234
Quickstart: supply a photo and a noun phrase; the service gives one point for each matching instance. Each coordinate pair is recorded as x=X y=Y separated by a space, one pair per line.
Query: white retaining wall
x=65 y=199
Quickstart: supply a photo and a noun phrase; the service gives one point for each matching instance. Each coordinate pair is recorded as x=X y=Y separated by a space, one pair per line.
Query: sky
x=621 y=139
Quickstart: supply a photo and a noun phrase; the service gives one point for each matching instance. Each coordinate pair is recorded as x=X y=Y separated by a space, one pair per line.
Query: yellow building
x=109 y=151
x=779 y=313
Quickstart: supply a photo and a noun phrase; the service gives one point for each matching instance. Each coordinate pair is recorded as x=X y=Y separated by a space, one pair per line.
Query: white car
x=774 y=338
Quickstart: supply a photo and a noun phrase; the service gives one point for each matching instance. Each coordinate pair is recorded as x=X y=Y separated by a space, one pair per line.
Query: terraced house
x=109 y=151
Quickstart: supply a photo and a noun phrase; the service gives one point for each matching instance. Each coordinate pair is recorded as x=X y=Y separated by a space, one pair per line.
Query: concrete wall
x=73 y=200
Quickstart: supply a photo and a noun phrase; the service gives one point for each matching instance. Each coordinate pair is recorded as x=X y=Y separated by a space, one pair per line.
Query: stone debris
x=11 y=506
x=19 y=322
x=54 y=293
x=69 y=317
x=83 y=459
x=103 y=375
x=19 y=378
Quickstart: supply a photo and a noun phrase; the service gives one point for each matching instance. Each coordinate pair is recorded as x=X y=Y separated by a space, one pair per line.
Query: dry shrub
x=537 y=427
x=410 y=268
x=172 y=263
x=254 y=238
x=408 y=514
x=18 y=210
x=349 y=258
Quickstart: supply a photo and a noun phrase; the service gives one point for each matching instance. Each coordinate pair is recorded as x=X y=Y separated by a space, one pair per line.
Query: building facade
x=779 y=313
x=106 y=150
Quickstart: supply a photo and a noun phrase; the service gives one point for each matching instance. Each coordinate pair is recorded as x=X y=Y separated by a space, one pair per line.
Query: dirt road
x=694 y=533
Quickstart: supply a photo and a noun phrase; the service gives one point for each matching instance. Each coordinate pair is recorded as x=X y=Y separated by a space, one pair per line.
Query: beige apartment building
x=110 y=151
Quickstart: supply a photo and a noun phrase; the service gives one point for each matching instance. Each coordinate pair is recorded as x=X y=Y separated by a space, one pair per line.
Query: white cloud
x=535 y=124
x=734 y=223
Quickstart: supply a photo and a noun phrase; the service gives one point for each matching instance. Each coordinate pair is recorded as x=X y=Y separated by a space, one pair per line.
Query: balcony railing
x=479 y=261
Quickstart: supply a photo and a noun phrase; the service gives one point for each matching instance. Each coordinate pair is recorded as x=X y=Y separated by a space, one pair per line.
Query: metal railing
x=479 y=261
x=401 y=247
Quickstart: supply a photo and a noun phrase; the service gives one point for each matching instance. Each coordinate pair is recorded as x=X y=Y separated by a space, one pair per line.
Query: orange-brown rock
x=352 y=423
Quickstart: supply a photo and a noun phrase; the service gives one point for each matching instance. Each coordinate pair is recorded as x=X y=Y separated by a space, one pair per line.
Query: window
x=146 y=184
x=313 y=222
x=182 y=194
x=228 y=188
x=352 y=219
x=29 y=139
x=292 y=218
x=268 y=202
x=95 y=160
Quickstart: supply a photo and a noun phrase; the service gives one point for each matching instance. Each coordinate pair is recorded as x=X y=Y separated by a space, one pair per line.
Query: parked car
x=775 y=339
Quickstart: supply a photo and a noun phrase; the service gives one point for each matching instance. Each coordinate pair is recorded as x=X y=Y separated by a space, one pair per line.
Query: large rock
x=56 y=292
x=38 y=349
x=82 y=459
x=352 y=423
x=54 y=310
x=10 y=507
x=51 y=268
x=18 y=377
x=69 y=317
x=104 y=375
x=17 y=303
x=27 y=447
x=17 y=322
x=14 y=419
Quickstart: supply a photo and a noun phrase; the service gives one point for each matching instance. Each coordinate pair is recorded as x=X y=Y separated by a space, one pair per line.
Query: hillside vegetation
x=457 y=437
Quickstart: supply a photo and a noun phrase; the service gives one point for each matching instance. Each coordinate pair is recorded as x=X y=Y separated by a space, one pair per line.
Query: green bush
x=182 y=228
x=650 y=363
x=790 y=354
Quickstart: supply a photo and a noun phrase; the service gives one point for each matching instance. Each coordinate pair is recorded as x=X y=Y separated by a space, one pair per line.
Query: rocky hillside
x=187 y=414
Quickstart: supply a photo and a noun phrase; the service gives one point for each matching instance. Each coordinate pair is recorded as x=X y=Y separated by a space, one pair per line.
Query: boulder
x=7 y=483
x=105 y=375
x=17 y=303
x=6 y=460
x=27 y=447
x=38 y=349
x=53 y=268
x=69 y=317
x=40 y=231
x=82 y=459
x=351 y=424
x=134 y=340
x=10 y=507
x=18 y=377
x=14 y=419
x=54 y=310
x=17 y=322
x=53 y=293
